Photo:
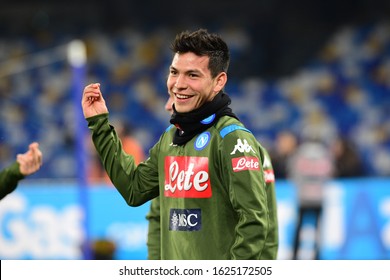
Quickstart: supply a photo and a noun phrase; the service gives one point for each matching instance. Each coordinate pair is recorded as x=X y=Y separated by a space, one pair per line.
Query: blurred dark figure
x=285 y=146
x=103 y=249
x=347 y=160
x=310 y=168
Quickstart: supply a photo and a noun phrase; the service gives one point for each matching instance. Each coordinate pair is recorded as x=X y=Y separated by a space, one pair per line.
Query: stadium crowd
x=340 y=96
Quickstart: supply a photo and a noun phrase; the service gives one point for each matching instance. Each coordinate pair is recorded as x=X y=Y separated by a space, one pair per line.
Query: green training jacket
x=217 y=192
x=9 y=178
x=154 y=230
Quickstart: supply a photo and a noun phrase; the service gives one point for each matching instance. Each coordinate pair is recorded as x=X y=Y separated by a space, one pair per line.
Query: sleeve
x=136 y=184
x=272 y=242
x=9 y=178
x=243 y=159
x=154 y=230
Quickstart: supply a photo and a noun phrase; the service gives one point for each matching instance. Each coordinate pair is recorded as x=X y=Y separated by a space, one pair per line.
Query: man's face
x=190 y=84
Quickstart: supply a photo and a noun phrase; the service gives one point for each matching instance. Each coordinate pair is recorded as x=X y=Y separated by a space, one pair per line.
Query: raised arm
x=92 y=101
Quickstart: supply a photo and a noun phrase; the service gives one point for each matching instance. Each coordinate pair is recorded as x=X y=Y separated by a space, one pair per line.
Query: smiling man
x=215 y=181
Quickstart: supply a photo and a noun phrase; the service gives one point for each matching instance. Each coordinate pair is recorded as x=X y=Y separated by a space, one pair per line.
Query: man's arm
x=136 y=184
x=273 y=237
x=9 y=178
x=248 y=195
x=25 y=164
x=136 y=187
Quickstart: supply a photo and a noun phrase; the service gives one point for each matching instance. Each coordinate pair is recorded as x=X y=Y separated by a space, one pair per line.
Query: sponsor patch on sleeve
x=245 y=163
x=269 y=176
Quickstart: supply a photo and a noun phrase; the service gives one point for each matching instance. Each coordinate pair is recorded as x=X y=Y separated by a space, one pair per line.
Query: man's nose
x=180 y=82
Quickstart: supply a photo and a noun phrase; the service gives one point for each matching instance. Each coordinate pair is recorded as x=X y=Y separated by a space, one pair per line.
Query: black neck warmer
x=194 y=122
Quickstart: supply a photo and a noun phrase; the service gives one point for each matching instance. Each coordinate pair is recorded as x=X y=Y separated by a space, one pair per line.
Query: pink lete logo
x=245 y=163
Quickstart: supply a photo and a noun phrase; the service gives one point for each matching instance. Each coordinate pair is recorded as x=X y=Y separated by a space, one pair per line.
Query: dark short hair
x=202 y=43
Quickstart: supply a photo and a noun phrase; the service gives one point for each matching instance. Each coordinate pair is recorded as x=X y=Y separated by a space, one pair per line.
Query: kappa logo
x=242 y=146
x=267 y=162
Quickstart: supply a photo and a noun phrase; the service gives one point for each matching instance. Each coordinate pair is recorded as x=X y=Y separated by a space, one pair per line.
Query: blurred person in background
x=169 y=105
x=285 y=146
x=310 y=168
x=216 y=183
x=25 y=164
x=347 y=160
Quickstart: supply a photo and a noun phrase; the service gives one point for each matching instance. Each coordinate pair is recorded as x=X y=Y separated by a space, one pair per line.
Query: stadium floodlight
x=77 y=54
x=77 y=58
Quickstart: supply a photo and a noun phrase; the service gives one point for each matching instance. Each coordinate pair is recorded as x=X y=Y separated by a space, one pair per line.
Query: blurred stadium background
x=309 y=67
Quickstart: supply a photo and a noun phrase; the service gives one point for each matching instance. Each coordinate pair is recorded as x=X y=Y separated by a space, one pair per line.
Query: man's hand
x=93 y=102
x=30 y=161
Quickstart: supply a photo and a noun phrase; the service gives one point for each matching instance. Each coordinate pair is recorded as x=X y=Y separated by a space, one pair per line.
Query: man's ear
x=220 y=82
